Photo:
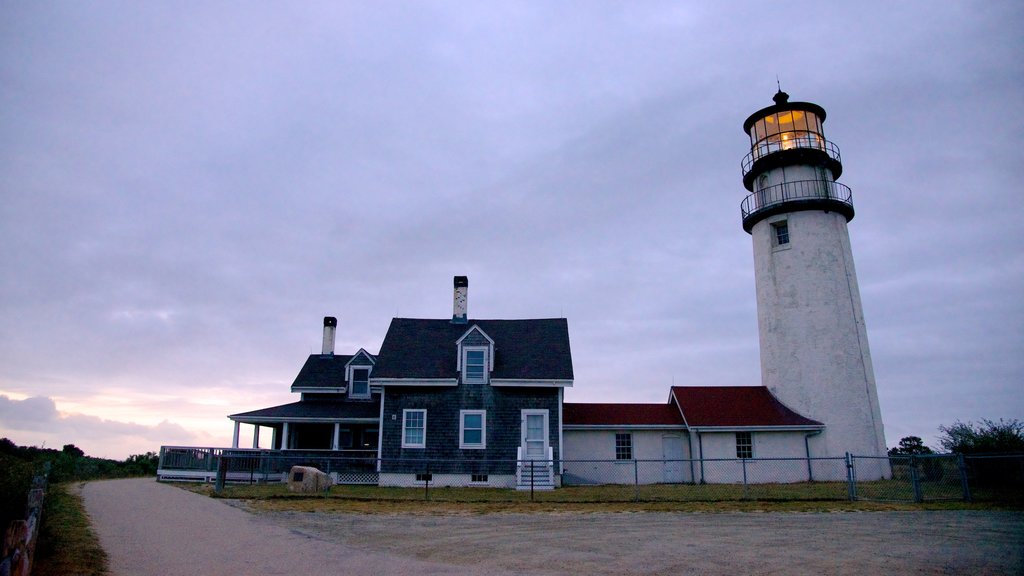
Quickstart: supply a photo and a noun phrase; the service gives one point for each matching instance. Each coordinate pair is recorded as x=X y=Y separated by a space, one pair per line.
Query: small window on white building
x=780 y=233
x=744 y=445
x=414 y=428
x=472 y=429
x=624 y=446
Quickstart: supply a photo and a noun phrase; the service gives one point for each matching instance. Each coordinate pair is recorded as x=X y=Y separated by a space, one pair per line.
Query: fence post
x=222 y=471
x=426 y=483
x=636 y=481
x=964 y=484
x=851 y=481
x=532 y=472
x=745 y=492
x=915 y=480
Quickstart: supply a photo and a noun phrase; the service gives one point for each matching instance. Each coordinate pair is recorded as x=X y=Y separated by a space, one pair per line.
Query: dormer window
x=475 y=356
x=474 y=364
x=357 y=373
x=359 y=387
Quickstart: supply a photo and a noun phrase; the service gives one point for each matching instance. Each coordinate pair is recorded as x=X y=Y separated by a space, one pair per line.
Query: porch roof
x=313 y=411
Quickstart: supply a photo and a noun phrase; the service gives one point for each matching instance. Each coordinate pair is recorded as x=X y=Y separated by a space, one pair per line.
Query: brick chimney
x=461 y=303
x=330 y=323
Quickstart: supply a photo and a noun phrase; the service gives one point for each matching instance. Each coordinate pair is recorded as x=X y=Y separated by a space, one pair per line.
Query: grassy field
x=67 y=545
x=659 y=498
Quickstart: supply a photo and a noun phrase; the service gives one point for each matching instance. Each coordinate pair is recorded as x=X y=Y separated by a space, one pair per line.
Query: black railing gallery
x=799 y=190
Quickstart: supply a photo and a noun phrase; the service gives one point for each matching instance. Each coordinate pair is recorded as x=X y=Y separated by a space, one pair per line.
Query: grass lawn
x=806 y=497
x=67 y=545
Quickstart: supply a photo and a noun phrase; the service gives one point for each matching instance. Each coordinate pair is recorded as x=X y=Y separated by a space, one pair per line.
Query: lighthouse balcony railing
x=798 y=140
x=796 y=191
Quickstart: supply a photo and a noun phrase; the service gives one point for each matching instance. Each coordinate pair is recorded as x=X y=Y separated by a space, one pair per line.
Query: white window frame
x=465 y=364
x=775 y=227
x=462 y=430
x=352 y=382
x=749 y=447
x=628 y=435
x=404 y=422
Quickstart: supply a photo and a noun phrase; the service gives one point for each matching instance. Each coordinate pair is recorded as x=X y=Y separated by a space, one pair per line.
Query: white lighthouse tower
x=814 y=346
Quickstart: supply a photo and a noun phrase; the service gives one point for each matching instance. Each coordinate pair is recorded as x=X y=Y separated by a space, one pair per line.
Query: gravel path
x=149 y=528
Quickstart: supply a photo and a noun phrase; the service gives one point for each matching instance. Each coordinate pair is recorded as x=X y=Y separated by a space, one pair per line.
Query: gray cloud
x=185 y=194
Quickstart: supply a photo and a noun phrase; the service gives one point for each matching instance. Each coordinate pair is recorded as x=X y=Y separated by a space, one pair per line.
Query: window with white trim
x=414 y=428
x=474 y=365
x=360 y=385
x=780 y=233
x=624 y=446
x=744 y=445
x=472 y=429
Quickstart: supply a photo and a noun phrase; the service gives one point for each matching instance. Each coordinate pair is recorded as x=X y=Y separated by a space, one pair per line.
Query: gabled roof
x=735 y=406
x=322 y=372
x=363 y=353
x=621 y=415
x=523 y=349
x=312 y=410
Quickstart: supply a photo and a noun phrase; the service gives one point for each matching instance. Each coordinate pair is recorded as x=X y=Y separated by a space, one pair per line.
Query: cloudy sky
x=187 y=189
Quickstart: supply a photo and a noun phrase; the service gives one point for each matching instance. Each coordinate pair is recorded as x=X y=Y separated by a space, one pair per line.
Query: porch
x=244 y=465
x=313 y=425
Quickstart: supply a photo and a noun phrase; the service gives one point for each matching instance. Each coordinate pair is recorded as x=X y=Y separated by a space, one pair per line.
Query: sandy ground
x=149 y=528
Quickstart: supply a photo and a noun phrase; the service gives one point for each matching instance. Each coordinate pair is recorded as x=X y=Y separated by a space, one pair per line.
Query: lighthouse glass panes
x=786 y=130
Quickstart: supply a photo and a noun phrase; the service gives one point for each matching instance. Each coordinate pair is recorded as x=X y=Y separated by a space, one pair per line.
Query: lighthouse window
x=781 y=233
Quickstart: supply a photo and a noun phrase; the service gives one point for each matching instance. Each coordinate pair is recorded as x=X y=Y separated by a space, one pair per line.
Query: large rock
x=307 y=480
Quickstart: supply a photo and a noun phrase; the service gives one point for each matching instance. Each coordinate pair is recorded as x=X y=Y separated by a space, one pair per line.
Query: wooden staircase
x=535 y=474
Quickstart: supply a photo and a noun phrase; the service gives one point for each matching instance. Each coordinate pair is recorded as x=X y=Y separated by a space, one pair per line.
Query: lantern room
x=788 y=133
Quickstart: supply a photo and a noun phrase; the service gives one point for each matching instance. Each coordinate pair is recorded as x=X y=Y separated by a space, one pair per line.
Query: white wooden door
x=535 y=434
x=672 y=454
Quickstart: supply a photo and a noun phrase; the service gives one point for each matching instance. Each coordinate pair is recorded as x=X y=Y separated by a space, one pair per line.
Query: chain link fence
x=919 y=478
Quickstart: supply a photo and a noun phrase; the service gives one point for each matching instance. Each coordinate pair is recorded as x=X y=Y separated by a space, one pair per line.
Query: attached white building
x=702 y=434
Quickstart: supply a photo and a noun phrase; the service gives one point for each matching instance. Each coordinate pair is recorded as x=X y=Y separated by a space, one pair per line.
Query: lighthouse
x=814 y=345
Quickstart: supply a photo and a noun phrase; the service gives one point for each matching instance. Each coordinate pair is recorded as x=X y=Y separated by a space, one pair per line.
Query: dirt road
x=150 y=528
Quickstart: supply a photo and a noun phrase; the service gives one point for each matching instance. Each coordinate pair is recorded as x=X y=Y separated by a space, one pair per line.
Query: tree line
x=969 y=438
x=18 y=464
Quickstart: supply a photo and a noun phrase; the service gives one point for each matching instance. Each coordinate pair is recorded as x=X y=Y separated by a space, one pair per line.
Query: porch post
x=273 y=438
x=337 y=432
x=284 y=437
x=234 y=439
x=256 y=436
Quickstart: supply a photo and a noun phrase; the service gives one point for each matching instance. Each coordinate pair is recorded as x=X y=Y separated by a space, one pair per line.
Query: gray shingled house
x=462 y=401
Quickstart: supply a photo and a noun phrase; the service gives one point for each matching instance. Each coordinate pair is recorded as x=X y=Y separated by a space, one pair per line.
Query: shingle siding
x=475 y=338
x=443 y=406
x=361 y=360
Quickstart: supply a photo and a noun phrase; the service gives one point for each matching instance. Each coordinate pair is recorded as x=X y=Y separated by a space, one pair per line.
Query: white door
x=672 y=454
x=535 y=434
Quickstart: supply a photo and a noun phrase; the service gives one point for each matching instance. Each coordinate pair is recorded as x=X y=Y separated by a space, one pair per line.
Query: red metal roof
x=735 y=406
x=621 y=415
